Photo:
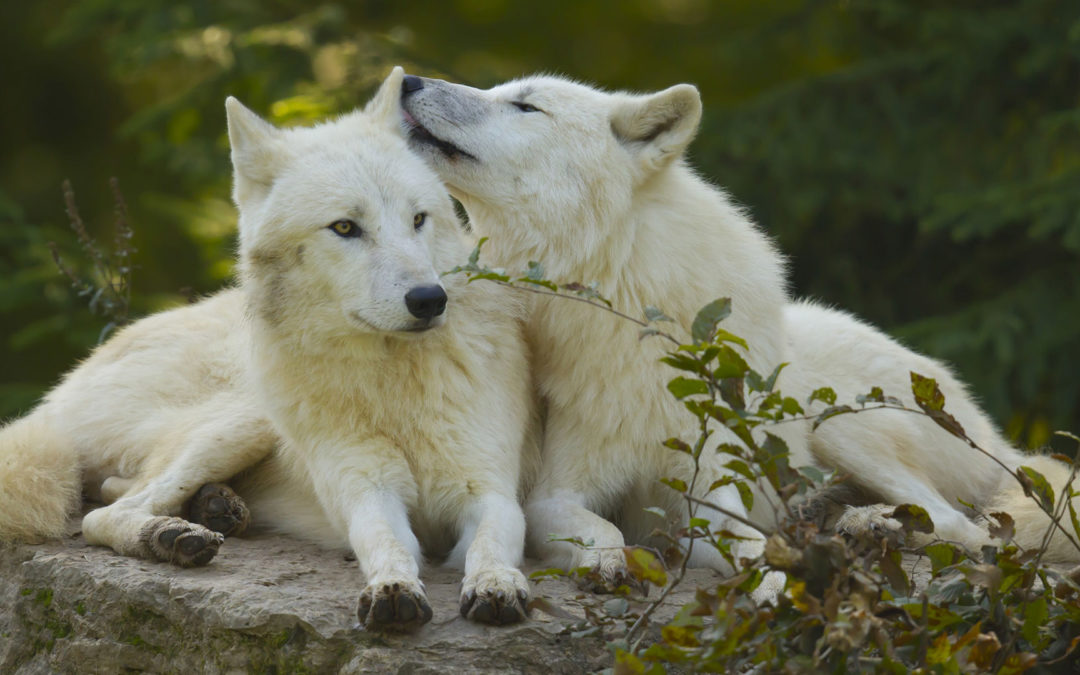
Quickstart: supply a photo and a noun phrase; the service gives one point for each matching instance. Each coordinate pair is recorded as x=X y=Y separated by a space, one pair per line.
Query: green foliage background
x=919 y=161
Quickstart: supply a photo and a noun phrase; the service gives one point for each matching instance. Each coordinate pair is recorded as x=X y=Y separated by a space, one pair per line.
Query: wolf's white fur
x=905 y=458
x=593 y=185
x=390 y=425
x=389 y=434
x=158 y=410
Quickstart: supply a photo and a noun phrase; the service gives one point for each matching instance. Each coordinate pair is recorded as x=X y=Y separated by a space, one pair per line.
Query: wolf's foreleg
x=364 y=491
x=494 y=590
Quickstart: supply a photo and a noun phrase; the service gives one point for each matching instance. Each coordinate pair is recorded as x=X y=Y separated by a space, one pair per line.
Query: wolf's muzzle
x=411 y=83
x=426 y=302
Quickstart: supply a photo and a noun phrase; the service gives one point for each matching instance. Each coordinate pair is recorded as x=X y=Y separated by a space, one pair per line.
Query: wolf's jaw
x=419 y=135
x=418 y=328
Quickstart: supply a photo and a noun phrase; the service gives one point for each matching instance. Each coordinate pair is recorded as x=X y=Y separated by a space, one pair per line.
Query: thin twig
x=587 y=301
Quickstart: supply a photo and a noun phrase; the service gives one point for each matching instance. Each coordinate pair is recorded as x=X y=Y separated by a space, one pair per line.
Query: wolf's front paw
x=177 y=541
x=876 y=520
x=607 y=572
x=218 y=508
x=397 y=606
x=495 y=596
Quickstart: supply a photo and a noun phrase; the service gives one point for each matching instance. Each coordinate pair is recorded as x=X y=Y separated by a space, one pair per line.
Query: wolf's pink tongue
x=409 y=118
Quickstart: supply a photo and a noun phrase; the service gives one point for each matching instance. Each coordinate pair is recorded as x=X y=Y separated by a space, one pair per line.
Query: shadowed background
x=919 y=162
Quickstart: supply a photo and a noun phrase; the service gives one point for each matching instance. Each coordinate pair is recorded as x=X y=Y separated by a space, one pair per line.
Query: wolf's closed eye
x=525 y=107
x=346 y=228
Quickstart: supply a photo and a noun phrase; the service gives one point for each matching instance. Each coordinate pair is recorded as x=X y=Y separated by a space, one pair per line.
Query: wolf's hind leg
x=563 y=514
x=216 y=507
x=226 y=439
x=115 y=487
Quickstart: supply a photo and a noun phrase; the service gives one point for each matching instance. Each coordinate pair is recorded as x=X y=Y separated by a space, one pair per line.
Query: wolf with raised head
x=594 y=185
x=399 y=402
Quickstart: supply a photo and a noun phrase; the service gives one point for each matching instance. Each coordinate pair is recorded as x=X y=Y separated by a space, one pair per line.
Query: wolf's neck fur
x=674 y=238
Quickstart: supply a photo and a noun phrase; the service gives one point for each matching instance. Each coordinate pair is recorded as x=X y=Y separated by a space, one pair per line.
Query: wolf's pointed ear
x=385 y=106
x=658 y=127
x=256 y=150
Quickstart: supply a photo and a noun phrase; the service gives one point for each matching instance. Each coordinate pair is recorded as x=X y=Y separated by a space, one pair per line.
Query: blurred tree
x=918 y=160
x=932 y=185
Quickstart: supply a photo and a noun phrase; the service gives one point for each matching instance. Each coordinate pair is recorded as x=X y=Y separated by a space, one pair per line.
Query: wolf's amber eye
x=525 y=107
x=418 y=220
x=346 y=228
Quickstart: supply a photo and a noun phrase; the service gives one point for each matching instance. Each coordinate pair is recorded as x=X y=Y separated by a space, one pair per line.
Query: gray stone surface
x=266 y=604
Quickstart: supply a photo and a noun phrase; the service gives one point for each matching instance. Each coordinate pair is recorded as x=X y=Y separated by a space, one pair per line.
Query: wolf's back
x=40 y=483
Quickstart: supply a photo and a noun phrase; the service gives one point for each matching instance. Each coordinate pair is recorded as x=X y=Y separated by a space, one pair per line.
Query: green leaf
x=656 y=511
x=823 y=394
x=655 y=314
x=644 y=565
x=534 y=272
x=730 y=449
x=770 y=382
x=474 y=257
x=740 y=467
x=589 y=292
x=941 y=554
x=1035 y=615
x=813 y=473
x=719 y=483
x=729 y=364
x=890 y=567
x=926 y=391
x=683 y=362
x=679 y=445
x=704 y=326
x=676 y=484
x=699 y=522
x=913 y=518
x=791 y=407
x=746 y=495
x=831 y=411
x=731 y=391
x=1072 y=517
x=680 y=636
x=493 y=275
x=539 y=282
x=876 y=395
x=681 y=387
x=1036 y=485
x=722 y=335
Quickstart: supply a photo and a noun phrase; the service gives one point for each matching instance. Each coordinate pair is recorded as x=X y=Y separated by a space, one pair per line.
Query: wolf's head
x=550 y=151
x=342 y=228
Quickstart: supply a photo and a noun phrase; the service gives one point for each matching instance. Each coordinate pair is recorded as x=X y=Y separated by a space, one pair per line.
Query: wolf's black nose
x=426 y=302
x=411 y=83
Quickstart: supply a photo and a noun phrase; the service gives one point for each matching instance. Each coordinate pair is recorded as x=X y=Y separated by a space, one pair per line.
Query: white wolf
x=399 y=397
x=594 y=185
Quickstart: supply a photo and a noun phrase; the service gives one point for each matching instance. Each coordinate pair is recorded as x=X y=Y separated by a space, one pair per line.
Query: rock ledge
x=266 y=604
